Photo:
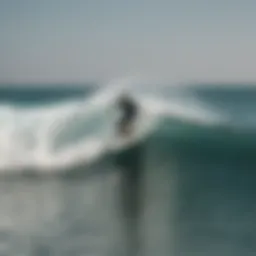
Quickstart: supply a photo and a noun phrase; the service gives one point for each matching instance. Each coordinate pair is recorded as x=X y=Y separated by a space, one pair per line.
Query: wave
x=51 y=139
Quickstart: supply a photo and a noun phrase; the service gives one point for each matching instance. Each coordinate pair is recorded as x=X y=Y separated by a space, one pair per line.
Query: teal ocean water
x=60 y=191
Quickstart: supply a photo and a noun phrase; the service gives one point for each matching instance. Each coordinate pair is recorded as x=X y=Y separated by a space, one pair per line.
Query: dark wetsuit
x=129 y=112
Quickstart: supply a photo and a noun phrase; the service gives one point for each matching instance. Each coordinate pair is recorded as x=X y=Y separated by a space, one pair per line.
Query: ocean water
x=60 y=182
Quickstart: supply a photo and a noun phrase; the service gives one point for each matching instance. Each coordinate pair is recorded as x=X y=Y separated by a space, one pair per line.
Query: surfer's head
x=124 y=97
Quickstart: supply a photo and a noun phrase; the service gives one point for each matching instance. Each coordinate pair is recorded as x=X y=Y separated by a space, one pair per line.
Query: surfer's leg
x=123 y=126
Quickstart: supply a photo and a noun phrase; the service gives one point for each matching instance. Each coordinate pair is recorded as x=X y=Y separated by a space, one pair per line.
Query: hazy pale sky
x=100 y=40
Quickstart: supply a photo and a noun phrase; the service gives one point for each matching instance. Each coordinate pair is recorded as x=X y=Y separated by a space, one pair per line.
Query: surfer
x=129 y=163
x=129 y=111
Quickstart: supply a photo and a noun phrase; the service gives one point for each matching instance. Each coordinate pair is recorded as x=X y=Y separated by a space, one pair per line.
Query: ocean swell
x=51 y=139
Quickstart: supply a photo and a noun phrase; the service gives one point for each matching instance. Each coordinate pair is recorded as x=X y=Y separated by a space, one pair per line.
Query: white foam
x=28 y=137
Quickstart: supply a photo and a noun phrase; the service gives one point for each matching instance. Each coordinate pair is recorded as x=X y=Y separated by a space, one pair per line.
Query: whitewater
x=49 y=139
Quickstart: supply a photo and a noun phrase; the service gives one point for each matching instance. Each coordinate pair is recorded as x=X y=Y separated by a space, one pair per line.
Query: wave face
x=197 y=153
x=47 y=130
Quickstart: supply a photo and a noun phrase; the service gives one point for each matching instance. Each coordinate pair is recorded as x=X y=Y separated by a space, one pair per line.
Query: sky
x=100 y=40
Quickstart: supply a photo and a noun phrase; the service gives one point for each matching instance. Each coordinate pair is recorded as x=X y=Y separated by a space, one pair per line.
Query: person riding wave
x=129 y=112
